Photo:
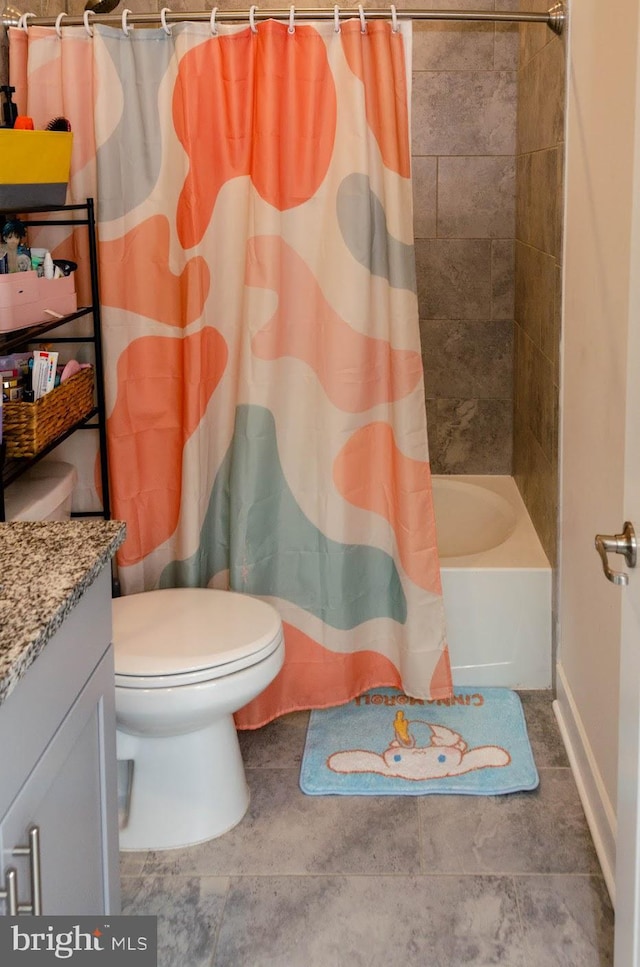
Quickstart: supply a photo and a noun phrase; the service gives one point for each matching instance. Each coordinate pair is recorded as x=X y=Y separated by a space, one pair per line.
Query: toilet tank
x=41 y=493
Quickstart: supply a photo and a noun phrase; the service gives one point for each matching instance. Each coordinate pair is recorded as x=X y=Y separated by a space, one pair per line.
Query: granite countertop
x=45 y=568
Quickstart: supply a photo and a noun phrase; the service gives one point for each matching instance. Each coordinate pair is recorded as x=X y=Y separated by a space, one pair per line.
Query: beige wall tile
x=472 y=436
x=538 y=214
x=432 y=431
x=463 y=5
x=473 y=359
x=454 y=278
x=551 y=325
x=76 y=7
x=523 y=372
x=537 y=480
x=544 y=405
x=535 y=288
x=452 y=46
x=533 y=36
x=541 y=99
x=507 y=40
x=502 y=278
x=464 y=112
x=425 y=176
x=476 y=197
x=506 y=50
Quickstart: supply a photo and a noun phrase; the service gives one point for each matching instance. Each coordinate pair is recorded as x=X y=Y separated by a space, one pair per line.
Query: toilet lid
x=183 y=632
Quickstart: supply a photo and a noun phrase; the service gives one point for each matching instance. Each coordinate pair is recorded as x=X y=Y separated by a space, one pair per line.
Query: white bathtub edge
x=597 y=806
x=521 y=549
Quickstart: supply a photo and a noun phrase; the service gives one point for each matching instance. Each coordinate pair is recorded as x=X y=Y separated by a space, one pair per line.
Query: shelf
x=19 y=337
x=95 y=419
x=14 y=467
x=30 y=210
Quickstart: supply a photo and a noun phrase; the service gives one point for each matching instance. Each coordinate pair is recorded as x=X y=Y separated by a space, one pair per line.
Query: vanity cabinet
x=58 y=769
x=23 y=339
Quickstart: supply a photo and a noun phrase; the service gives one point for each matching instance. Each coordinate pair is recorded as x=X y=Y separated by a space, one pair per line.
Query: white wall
x=600 y=128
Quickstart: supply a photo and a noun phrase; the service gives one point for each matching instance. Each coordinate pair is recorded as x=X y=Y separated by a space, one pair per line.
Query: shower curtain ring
x=126 y=29
x=163 y=20
x=22 y=22
x=252 y=21
x=363 y=23
x=292 y=15
x=214 y=26
x=58 y=24
x=87 y=25
x=394 y=19
x=336 y=18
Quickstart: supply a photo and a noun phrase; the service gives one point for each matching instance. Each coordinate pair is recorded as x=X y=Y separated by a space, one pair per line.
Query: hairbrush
x=58 y=124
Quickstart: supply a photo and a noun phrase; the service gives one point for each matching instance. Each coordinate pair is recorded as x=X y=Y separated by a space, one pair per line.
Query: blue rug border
x=434 y=788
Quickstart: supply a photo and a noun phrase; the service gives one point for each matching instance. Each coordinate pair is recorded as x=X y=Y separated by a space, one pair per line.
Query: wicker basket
x=30 y=427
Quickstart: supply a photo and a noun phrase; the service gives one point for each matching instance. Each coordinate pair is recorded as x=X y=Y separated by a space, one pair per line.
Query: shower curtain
x=266 y=417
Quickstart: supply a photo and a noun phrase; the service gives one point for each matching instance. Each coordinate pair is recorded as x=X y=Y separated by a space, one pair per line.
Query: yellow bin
x=34 y=168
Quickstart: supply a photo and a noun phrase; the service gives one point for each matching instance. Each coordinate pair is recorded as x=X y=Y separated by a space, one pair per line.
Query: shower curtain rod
x=554 y=18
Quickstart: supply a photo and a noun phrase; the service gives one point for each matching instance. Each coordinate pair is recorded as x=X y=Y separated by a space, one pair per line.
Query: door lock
x=624 y=544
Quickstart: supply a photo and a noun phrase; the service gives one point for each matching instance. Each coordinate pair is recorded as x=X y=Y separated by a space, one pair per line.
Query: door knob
x=624 y=544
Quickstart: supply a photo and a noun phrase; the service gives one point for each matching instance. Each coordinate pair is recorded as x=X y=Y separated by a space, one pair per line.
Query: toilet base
x=207 y=795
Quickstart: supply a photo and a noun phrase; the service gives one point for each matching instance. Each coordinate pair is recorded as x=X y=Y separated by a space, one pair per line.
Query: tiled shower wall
x=464 y=145
x=538 y=273
x=477 y=146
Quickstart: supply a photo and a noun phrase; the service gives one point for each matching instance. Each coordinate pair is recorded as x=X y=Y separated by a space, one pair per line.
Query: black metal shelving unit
x=95 y=420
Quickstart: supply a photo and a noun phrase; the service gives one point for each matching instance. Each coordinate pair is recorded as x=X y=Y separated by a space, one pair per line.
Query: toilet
x=42 y=493
x=186 y=659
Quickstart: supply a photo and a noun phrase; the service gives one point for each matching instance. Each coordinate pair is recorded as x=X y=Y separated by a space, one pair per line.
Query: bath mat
x=386 y=744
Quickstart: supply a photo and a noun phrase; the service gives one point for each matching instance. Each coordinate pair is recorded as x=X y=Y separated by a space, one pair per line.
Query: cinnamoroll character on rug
x=446 y=754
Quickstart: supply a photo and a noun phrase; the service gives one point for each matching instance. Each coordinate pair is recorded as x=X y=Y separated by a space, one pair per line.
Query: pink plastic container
x=26 y=300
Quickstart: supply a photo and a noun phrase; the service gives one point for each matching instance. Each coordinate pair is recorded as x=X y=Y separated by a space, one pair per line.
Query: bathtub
x=496 y=583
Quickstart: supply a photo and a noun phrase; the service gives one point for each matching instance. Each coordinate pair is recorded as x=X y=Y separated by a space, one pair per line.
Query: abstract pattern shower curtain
x=266 y=425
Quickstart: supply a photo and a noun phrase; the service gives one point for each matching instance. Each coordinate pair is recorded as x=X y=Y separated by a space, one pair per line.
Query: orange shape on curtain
x=371 y=472
x=143 y=255
x=385 y=88
x=164 y=387
x=356 y=371
x=282 y=139
x=318 y=677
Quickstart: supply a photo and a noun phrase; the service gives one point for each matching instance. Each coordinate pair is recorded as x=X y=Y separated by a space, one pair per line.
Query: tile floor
x=430 y=881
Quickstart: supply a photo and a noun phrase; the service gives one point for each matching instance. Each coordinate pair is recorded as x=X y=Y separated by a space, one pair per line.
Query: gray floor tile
x=544 y=831
x=189 y=912
x=349 y=889
x=568 y=920
x=381 y=921
x=285 y=831
x=542 y=727
x=278 y=745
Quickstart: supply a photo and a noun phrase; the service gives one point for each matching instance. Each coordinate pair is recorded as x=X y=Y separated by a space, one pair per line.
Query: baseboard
x=593 y=795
